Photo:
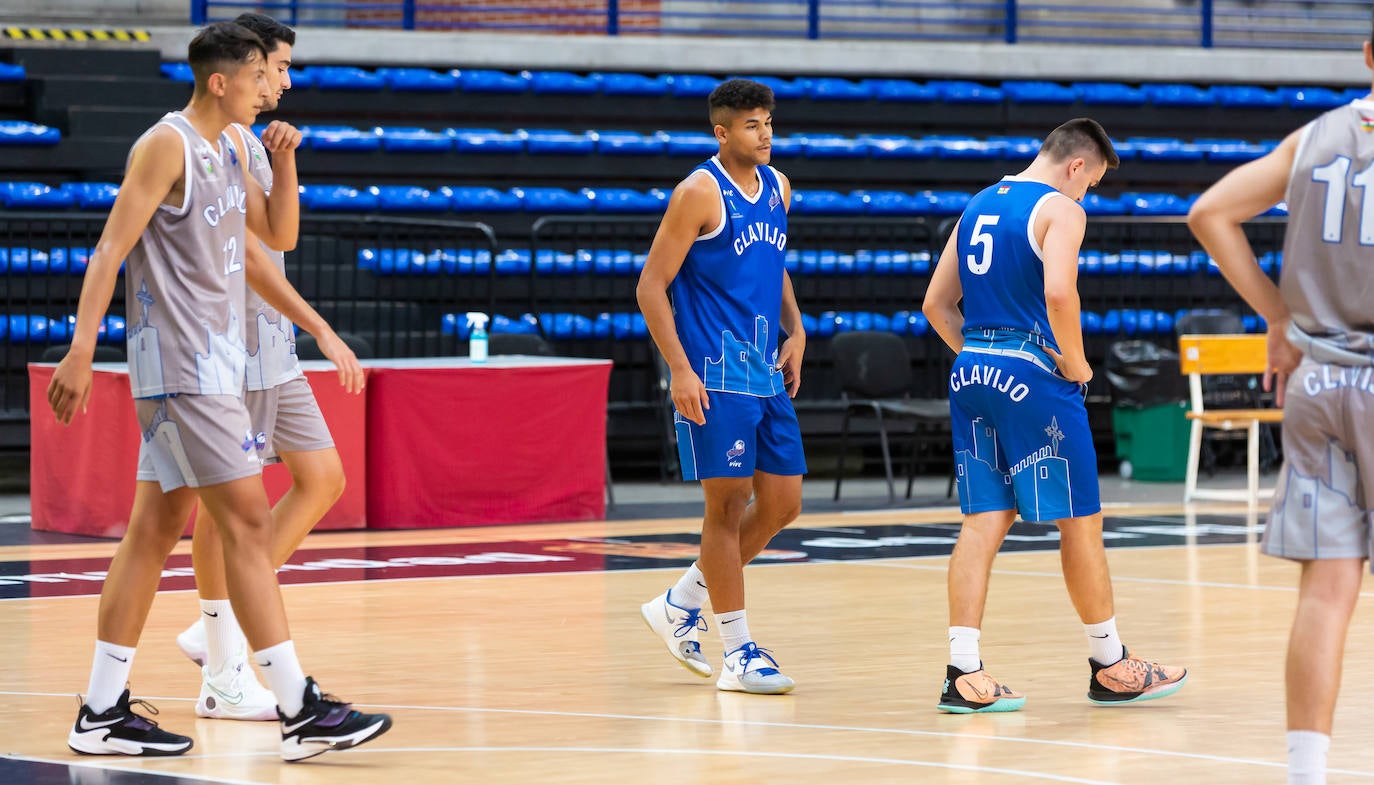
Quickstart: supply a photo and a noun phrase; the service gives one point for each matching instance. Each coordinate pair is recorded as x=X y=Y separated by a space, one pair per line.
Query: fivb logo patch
x=733 y=454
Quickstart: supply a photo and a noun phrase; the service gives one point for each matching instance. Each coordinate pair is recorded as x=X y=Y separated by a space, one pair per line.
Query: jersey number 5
x=1333 y=212
x=981 y=238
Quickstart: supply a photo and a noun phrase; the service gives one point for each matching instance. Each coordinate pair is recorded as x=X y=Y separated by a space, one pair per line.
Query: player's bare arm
x=276 y=219
x=1064 y=224
x=155 y=174
x=693 y=210
x=270 y=284
x=943 y=294
x=1216 y=220
x=791 y=351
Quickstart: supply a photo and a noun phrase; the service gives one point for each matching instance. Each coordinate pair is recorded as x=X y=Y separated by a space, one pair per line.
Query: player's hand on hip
x=351 y=375
x=70 y=388
x=790 y=363
x=689 y=396
x=280 y=137
x=1283 y=360
x=1073 y=370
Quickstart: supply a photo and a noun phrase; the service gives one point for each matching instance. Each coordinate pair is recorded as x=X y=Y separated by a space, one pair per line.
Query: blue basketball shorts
x=1021 y=439
x=742 y=434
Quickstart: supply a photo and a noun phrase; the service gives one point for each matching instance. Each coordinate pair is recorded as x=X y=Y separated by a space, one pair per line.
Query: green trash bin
x=1152 y=442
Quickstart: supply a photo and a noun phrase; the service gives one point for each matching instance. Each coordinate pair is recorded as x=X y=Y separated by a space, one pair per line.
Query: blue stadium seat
x=1097 y=204
x=1154 y=204
x=1246 y=97
x=691 y=85
x=633 y=84
x=11 y=73
x=888 y=202
x=72 y=260
x=552 y=200
x=561 y=83
x=836 y=89
x=409 y=199
x=418 y=80
x=959 y=92
x=826 y=203
x=413 y=140
x=93 y=196
x=1177 y=95
x=513 y=261
x=484 y=81
x=832 y=146
x=1355 y=93
x=34 y=196
x=1231 y=150
x=695 y=144
x=896 y=146
x=485 y=140
x=300 y=79
x=476 y=199
x=787 y=147
x=1311 y=97
x=178 y=72
x=341 y=198
x=627 y=143
x=552 y=142
x=1017 y=148
x=1036 y=92
x=22 y=132
x=626 y=200
x=1125 y=150
x=343 y=77
x=945 y=202
x=525 y=324
x=966 y=147
x=901 y=91
x=783 y=90
x=398 y=261
x=25 y=260
x=31 y=329
x=1109 y=93
x=341 y=138
x=1161 y=149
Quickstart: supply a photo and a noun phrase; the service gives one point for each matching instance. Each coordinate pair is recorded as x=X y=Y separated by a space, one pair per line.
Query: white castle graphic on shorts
x=1302 y=498
x=167 y=432
x=1050 y=473
x=741 y=367
x=221 y=369
x=145 y=356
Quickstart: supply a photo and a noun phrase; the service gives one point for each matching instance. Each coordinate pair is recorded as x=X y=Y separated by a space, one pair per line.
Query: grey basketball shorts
x=287 y=418
x=1321 y=503
x=195 y=441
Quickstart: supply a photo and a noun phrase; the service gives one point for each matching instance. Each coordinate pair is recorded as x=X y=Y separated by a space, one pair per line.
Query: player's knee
x=728 y=507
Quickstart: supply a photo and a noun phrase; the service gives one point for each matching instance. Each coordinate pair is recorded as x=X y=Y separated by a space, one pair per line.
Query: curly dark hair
x=268 y=29
x=735 y=95
x=1080 y=136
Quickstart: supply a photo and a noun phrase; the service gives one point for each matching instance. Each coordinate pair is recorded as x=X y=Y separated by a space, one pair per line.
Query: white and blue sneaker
x=677 y=627
x=751 y=669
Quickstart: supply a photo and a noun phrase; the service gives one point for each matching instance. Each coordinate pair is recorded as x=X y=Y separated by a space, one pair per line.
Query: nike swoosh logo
x=121 y=659
x=299 y=725
x=1100 y=637
x=82 y=725
x=267 y=664
x=211 y=615
x=234 y=699
x=730 y=621
x=702 y=585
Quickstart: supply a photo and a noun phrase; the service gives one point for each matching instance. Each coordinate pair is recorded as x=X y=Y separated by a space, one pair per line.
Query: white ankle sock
x=1104 y=645
x=963 y=648
x=734 y=630
x=224 y=640
x=690 y=590
x=1307 y=757
x=109 y=673
x=284 y=675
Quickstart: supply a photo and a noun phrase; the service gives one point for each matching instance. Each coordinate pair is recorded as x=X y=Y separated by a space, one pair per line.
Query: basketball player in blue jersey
x=181 y=220
x=1020 y=427
x=1321 y=365
x=719 y=252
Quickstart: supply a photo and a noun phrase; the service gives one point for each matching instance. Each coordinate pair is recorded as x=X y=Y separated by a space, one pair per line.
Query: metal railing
x=1307 y=24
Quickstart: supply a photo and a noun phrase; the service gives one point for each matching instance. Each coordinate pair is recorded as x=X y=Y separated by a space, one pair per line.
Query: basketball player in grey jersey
x=181 y=219
x=1321 y=352
x=286 y=424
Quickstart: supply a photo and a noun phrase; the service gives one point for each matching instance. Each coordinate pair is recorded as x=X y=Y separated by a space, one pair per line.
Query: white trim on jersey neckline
x=715 y=159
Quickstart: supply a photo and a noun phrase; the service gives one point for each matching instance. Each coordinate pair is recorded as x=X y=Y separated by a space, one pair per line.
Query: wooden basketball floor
x=549 y=675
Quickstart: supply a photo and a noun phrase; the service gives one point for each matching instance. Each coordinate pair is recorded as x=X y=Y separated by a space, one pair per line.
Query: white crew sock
x=1104 y=644
x=109 y=673
x=224 y=640
x=734 y=630
x=690 y=590
x=1307 y=757
x=963 y=648
x=284 y=675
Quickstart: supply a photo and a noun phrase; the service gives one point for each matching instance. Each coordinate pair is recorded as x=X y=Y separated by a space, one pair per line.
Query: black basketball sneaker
x=326 y=723
x=119 y=731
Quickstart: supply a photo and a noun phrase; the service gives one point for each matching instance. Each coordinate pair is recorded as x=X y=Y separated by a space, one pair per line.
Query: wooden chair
x=1201 y=355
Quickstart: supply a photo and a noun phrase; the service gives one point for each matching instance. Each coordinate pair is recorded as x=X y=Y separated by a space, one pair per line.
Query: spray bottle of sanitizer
x=477 y=336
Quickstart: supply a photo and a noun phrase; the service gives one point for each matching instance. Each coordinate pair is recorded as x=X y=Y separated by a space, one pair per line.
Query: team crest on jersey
x=1002 y=189
x=732 y=454
x=774 y=200
x=1366 y=123
x=209 y=162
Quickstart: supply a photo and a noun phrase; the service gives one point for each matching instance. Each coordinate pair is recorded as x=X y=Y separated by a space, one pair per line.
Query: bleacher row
x=478 y=199
x=817 y=89
x=604 y=262
x=21 y=133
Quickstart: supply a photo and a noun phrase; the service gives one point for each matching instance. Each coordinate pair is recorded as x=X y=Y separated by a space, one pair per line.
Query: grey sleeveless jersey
x=269 y=336
x=1328 y=251
x=184 y=282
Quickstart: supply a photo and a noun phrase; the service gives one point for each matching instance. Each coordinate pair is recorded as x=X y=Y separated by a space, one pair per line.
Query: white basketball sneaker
x=677 y=627
x=235 y=694
x=751 y=669
x=192 y=643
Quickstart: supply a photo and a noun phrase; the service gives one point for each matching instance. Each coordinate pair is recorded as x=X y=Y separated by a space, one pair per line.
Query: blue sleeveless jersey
x=727 y=296
x=1000 y=265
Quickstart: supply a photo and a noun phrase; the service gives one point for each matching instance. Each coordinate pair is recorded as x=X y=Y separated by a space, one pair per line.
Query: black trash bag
x=1144 y=374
